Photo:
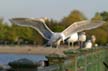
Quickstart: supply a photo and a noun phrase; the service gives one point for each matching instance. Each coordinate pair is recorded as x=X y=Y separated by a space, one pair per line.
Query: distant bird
x=82 y=39
x=88 y=44
x=93 y=39
x=91 y=42
x=53 y=37
x=73 y=38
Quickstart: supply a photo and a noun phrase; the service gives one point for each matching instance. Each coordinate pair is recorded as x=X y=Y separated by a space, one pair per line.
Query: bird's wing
x=36 y=24
x=81 y=26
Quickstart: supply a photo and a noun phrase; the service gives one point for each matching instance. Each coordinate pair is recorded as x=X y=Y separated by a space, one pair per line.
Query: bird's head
x=43 y=19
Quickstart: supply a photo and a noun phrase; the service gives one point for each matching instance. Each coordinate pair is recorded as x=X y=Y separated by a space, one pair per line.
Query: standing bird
x=55 y=37
x=73 y=38
x=91 y=42
x=88 y=44
x=82 y=39
x=93 y=39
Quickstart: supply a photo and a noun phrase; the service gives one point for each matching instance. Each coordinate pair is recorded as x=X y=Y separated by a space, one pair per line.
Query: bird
x=82 y=39
x=73 y=38
x=88 y=44
x=93 y=39
x=55 y=37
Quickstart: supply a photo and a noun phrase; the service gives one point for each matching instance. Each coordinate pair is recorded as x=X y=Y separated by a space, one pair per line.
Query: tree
x=1 y=31
x=1 y=20
x=73 y=17
x=97 y=17
x=37 y=38
x=104 y=15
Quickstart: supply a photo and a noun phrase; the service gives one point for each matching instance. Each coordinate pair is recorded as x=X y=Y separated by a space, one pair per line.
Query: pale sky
x=55 y=9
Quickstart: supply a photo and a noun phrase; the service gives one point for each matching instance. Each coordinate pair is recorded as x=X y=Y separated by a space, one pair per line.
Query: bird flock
x=69 y=35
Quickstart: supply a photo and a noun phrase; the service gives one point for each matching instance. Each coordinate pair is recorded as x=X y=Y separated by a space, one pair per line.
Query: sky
x=55 y=9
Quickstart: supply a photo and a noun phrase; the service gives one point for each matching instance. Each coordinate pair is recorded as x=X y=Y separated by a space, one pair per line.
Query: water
x=6 y=58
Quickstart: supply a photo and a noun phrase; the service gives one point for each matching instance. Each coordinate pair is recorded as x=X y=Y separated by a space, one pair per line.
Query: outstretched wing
x=37 y=24
x=81 y=26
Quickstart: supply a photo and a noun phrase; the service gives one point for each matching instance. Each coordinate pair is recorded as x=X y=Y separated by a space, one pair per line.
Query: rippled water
x=6 y=58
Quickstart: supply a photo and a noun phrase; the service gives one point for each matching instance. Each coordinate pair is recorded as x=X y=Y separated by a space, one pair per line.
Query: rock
x=23 y=63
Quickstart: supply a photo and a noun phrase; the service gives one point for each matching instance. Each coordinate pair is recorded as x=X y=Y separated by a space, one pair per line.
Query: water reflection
x=6 y=58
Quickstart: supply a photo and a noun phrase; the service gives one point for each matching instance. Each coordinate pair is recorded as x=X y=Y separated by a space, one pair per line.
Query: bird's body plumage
x=73 y=38
x=88 y=44
x=82 y=37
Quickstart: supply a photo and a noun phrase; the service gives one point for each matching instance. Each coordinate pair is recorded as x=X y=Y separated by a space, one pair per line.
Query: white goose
x=54 y=37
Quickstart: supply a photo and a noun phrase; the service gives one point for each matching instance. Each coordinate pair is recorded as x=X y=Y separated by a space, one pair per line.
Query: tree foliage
x=73 y=17
x=97 y=16
x=104 y=15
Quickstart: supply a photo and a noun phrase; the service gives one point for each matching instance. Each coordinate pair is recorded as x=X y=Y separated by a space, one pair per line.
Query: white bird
x=82 y=39
x=88 y=44
x=73 y=38
x=93 y=39
x=53 y=37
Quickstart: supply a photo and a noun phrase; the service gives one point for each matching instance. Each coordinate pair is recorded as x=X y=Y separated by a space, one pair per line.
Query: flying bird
x=55 y=37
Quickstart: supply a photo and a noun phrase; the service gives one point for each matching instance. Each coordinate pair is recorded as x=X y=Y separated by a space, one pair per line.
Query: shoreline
x=39 y=50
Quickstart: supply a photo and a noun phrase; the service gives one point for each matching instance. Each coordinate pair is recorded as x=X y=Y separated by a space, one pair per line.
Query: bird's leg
x=72 y=44
x=79 y=44
x=58 y=43
x=82 y=43
x=57 y=46
x=69 y=44
x=51 y=45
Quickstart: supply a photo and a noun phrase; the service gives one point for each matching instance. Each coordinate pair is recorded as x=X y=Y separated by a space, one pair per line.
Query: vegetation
x=24 y=35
